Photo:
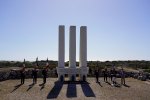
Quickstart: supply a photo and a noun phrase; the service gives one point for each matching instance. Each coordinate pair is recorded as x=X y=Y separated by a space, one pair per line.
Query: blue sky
x=117 y=29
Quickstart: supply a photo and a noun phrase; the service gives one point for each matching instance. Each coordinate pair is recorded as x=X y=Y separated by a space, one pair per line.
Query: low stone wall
x=8 y=74
x=5 y=75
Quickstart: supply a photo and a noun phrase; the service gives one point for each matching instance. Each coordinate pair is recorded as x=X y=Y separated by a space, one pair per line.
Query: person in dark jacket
x=97 y=75
x=44 y=73
x=90 y=71
x=22 y=72
x=34 y=75
x=105 y=72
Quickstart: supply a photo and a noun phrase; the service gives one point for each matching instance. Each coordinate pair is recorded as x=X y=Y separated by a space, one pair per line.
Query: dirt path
x=135 y=90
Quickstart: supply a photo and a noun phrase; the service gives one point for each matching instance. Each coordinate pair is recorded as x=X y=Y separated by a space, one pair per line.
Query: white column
x=72 y=47
x=83 y=53
x=83 y=47
x=61 y=52
x=72 y=53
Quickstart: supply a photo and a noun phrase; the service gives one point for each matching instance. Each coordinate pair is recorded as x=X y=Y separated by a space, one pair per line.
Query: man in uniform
x=34 y=75
x=105 y=72
x=34 y=72
x=44 y=72
x=22 y=71
x=97 y=74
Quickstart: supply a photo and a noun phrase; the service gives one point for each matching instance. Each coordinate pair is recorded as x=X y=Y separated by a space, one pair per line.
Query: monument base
x=72 y=72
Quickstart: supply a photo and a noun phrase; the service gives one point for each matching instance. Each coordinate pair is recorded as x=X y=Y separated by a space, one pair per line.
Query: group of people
x=111 y=74
x=106 y=73
x=34 y=74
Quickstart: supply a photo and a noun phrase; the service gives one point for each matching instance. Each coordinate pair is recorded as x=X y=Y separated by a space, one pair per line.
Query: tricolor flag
x=24 y=63
x=47 y=64
x=37 y=62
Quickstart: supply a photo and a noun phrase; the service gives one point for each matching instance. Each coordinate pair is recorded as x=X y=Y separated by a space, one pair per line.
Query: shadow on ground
x=126 y=85
x=30 y=86
x=55 y=90
x=16 y=87
x=99 y=83
x=87 y=90
x=71 y=89
x=42 y=85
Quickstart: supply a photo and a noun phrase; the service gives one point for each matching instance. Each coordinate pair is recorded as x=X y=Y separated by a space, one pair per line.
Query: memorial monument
x=72 y=70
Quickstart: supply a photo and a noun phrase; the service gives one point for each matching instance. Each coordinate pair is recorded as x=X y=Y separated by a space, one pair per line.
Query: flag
x=24 y=63
x=47 y=64
x=37 y=62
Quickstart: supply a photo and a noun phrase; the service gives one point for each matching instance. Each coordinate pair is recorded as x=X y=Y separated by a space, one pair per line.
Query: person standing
x=35 y=71
x=97 y=75
x=90 y=71
x=105 y=72
x=111 y=74
x=34 y=75
x=122 y=73
x=44 y=72
x=22 y=71
x=114 y=72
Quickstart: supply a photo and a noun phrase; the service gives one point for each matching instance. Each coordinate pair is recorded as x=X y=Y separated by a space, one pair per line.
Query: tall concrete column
x=83 y=47
x=61 y=44
x=83 y=53
x=61 y=53
x=72 y=53
x=72 y=47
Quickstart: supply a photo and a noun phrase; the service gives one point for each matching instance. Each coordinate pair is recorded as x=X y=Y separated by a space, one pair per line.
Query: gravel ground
x=134 y=90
